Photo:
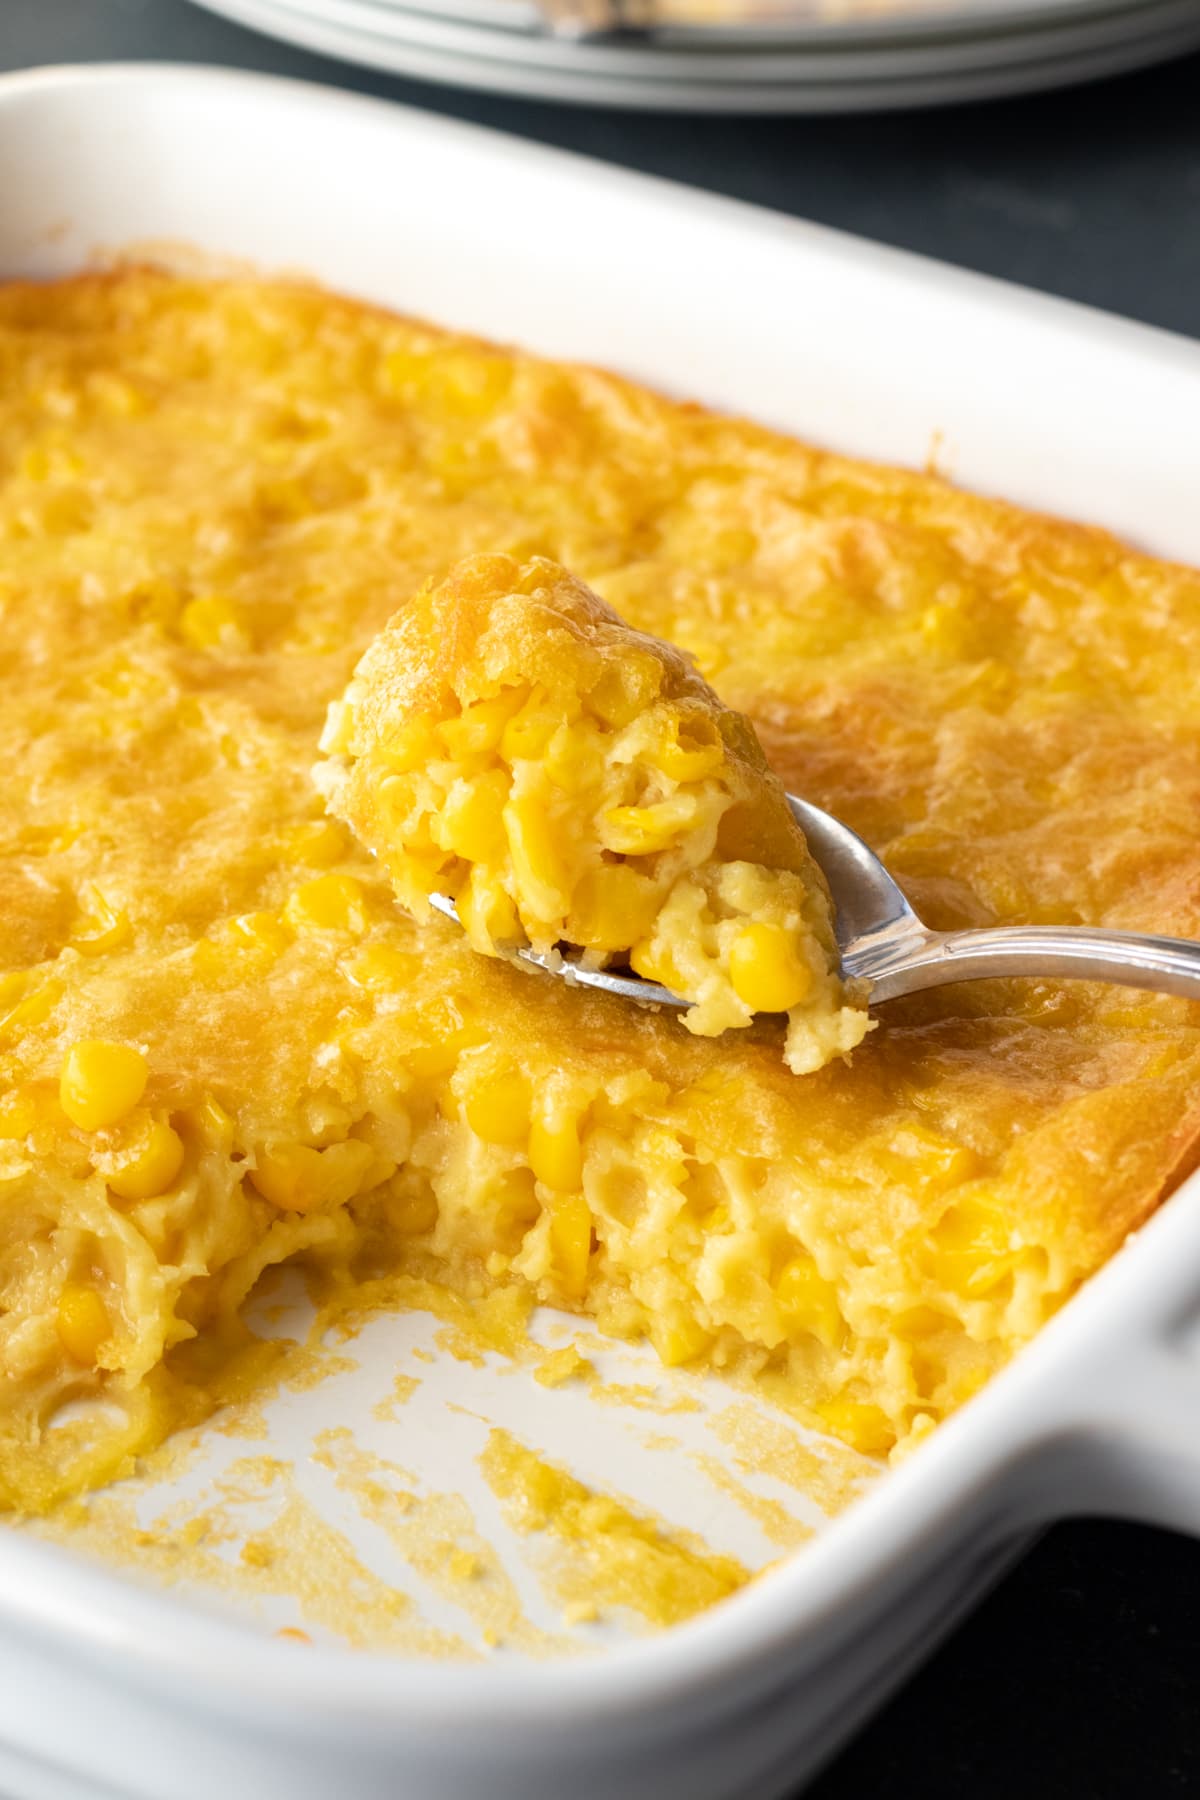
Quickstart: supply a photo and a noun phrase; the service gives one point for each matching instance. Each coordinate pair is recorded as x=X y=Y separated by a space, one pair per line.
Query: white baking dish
x=107 y=1687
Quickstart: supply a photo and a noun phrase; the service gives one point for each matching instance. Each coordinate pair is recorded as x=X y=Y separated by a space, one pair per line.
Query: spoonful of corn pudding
x=575 y=794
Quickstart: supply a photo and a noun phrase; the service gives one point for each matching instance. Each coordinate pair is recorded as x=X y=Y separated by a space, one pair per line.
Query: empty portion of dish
x=223 y=1043
x=569 y=782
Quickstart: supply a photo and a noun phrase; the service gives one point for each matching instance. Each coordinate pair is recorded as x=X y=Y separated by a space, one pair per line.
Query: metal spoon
x=882 y=940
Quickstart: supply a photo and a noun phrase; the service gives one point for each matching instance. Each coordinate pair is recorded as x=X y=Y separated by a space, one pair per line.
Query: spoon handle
x=1171 y=965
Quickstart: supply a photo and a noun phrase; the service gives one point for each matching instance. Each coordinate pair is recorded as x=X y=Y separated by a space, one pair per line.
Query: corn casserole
x=223 y=1043
x=510 y=743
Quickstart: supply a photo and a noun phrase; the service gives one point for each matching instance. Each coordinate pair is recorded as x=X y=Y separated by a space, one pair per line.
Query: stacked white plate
x=738 y=55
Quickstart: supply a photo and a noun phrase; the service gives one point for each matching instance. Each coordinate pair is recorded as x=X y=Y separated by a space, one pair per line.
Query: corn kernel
x=319 y=843
x=692 y=751
x=472 y=383
x=487 y=915
x=18 y=1114
x=381 y=968
x=261 y=931
x=515 y=1206
x=498 y=1109
x=116 y=395
x=471 y=823
x=102 y=928
x=655 y=963
x=679 y=1340
x=971 y=1247
x=34 y=1009
x=528 y=732
x=866 y=1427
x=809 y=1302
x=297 y=1178
x=213 y=622
x=481 y=726
x=555 y=1153
x=153 y=1167
x=571 y=1242
x=215 y=1122
x=922 y=1156
x=537 y=863
x=645 y=830
x=625 y=689
x=82 y=1323
x=767 y=971
x=101 y=1082
x=409 y=747
x=613 y=906
x=328 y=903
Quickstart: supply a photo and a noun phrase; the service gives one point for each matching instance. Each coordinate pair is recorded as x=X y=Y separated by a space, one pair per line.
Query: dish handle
x=1132 y=1450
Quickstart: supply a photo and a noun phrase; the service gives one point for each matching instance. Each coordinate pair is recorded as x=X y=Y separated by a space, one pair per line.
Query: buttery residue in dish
x=615 y=1556
x=452 y=1480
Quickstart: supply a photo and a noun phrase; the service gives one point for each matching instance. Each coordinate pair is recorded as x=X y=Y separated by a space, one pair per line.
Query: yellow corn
x=487 y=914
x=613 y=906
x=471 y=823
x=337 y=733
x=571 y=1242
x=212 y=622
x=972 y=1247
x=328 y=903
x=691 y=751
x=34 y=1009
x=645 y=830
x=153 y=1167
x=215 y=1122
x=102 y=928
x=481 y=726
x=22 y=1109
x=866 y=1427
x=625 y=689
x=537 y=863
x=498 y=1109
x=679 y=1340
x=767 y=971
x=262 y=931
x=319 y=843
x=409 y=747
x=115 y=395
x=297 y=1178
x=381 y=968
x=82 y=1323
x=809 y=1302
x=516 y=1206
x=530 y=730
x=555 y=1153
x=922 y=1156
x=101 y=1082
x=654 y=962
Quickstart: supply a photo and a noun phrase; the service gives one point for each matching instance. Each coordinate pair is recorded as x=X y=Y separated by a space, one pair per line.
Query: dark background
x=1080 y=1677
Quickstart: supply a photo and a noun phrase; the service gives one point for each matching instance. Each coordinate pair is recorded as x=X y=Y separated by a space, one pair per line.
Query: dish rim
x=975 y=1462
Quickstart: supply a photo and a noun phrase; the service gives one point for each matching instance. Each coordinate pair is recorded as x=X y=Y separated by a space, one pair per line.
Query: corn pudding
x=507 y=741
x=222 y=1041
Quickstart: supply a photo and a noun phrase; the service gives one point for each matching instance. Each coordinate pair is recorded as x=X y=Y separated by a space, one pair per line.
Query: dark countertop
x=1080 y=1677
